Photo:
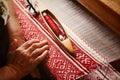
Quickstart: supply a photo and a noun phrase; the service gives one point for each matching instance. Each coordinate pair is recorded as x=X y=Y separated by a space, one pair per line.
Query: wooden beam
x=107 y=11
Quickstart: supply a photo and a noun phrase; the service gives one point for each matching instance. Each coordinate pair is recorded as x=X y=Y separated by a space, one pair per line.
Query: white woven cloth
x=87 y=26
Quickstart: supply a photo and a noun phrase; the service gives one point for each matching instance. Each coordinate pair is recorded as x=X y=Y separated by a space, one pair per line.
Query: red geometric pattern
x=62 y=65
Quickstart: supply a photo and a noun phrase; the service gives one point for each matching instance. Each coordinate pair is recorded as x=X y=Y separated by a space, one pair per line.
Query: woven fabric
x=59 y=63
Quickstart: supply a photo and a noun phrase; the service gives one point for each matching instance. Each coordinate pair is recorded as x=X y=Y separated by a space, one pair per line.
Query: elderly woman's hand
x=26 y=57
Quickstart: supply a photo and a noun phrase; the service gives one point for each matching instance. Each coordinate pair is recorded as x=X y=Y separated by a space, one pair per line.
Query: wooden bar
x=107 y=11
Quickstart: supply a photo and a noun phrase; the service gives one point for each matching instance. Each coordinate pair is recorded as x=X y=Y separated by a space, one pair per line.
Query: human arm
x=24 y=59
x=13 y=27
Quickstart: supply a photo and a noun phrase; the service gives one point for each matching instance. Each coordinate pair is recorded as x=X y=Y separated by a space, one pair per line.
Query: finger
x=36 y=45
x=29 y=43
x=44 y=42
x=39 y=51
x=41 y=57
x=33 y=47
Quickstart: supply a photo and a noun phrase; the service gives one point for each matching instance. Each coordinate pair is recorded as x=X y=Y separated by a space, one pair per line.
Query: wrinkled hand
x=26 y=57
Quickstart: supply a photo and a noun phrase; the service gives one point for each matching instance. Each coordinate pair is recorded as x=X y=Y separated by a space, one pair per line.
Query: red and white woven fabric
x=60 y=63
